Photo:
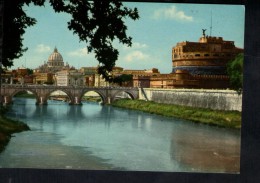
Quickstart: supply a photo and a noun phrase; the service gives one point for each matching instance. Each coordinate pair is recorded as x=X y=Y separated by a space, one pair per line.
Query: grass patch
x=91 y=99
x=229 y=119
x=7 y=128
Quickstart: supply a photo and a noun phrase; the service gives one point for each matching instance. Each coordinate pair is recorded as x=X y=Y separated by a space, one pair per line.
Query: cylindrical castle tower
x=209 y=56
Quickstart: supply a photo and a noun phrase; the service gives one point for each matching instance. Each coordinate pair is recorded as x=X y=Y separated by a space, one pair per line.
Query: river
x=98 y=137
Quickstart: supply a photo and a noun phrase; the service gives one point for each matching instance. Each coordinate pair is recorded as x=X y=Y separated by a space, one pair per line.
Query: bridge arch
x=115 y=95
x=8 y=98
x=101 y=94
x=23 y=90
x=68 y=93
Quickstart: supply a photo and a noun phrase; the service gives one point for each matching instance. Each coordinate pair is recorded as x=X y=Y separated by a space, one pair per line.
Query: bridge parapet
x=75 y=93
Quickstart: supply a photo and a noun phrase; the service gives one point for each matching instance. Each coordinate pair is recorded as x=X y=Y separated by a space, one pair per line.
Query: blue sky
x=160 y=27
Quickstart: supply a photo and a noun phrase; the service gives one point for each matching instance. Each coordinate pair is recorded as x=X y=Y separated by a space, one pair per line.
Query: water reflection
x=208 y=150
x=122 y=139
x=143 y=123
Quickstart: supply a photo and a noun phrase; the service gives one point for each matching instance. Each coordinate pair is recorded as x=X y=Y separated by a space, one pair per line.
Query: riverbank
x=7 y=128
x=228 y=119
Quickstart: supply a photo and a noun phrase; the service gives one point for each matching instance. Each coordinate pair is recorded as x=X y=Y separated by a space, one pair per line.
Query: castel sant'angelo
x=209 y=56
x=203 y=64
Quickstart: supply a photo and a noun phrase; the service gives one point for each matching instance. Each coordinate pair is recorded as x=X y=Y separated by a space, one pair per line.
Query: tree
x=29 y=71
x=98 y=23
x=235 y=72
x=124 y=79
x=14 y=24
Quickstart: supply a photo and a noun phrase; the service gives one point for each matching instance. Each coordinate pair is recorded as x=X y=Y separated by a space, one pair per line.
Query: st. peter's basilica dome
x=55 y=59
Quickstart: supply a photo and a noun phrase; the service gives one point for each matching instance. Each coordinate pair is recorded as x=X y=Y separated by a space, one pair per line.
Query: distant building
x=69 y=78
x=141 y=81
x=19 y=76
x=117 y=69
x=54 y=64
x=61 y=78
x=22 y=71
x=8 y=77
x=45 y=73
x=182 y=79
x=153 y=71
x=161 y=80
x=28 y=79
x=209 y=56
x=92 y=78
x=141 y=78
x=88 y=70
x=200 y=64
x=89 y=75
x=43 y=78
x=99 y=81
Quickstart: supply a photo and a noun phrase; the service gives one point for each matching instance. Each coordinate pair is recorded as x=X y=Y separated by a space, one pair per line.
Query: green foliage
x=3 y=110
x=235 y=72
x=25 y=95
x=229 y=119
x=8 y=127
x=15 y=22
x=98 y=23
x=29 y=71
x=123 y=79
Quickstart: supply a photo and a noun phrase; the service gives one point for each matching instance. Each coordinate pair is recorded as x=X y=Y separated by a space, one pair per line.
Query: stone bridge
x=75 y=93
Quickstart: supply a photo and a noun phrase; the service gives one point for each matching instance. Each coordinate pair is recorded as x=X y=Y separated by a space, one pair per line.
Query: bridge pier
x=7 y=100
x=76 y=101
x=41 y=101
x=108 y=100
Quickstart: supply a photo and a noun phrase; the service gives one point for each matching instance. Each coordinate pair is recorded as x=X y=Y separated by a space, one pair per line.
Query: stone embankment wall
x=227 y=100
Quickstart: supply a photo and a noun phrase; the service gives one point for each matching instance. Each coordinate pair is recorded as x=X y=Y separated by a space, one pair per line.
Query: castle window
x=197 y=55
x=206 y=55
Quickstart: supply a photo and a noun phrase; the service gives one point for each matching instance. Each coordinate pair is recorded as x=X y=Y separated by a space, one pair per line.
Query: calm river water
x=99 y=137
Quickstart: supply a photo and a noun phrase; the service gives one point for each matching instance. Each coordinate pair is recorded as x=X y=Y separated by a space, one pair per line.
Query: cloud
x=41 y=48
x=172 y=13
x=82 y=52
x=136 y=45
x=136 y=55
